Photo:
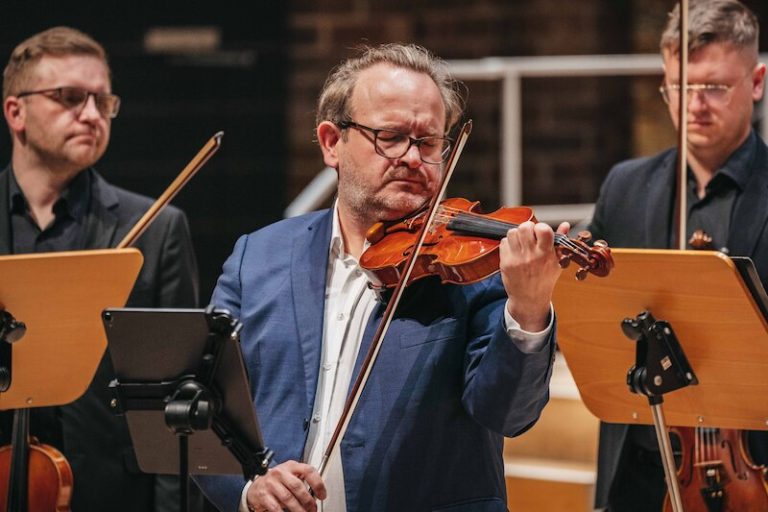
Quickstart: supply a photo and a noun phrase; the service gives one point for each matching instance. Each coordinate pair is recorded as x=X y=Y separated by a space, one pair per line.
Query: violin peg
x=584 y=236
x=564 y=261
x=581 y=274
x=600 y=243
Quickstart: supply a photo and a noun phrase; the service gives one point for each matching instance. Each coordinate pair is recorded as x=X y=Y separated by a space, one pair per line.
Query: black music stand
x=180 y=372
x=711 y=312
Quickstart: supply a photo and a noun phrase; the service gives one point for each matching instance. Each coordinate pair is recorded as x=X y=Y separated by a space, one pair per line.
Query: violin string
x=472 y=219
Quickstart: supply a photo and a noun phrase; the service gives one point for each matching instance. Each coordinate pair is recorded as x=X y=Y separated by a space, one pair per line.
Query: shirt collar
x=73 y=201
x=337 y=241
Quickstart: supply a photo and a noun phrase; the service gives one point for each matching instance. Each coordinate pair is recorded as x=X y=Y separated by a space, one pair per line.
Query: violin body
x=717 y=474
x=462 y=245
x=49 y=481
x=455 y=258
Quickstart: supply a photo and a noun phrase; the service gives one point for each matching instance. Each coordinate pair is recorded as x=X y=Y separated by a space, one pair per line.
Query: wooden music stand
x=660 y=322
x=60 y=296
x=715 y=317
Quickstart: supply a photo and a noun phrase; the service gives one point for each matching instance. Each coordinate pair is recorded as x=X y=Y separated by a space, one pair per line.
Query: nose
x=696 y=102
x=412 y=157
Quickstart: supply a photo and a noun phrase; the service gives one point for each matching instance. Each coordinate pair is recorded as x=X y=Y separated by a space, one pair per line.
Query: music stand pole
x=660 y=367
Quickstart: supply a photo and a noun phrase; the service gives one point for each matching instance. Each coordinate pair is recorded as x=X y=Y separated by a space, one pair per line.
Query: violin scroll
x=595 y=259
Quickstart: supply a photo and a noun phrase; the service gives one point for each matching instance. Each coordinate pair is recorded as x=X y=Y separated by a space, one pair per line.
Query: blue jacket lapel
x=309 y=261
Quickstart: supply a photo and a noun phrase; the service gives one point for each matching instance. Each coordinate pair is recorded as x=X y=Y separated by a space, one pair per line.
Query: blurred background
x=186 y=70
x=550 y=118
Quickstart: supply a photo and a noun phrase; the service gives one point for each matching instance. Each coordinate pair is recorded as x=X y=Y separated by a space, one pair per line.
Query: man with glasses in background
x=460 y=367
x=727 y=198
x=58 y=104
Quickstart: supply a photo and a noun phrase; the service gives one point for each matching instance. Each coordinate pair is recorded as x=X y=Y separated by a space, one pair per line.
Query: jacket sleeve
x=505 y=389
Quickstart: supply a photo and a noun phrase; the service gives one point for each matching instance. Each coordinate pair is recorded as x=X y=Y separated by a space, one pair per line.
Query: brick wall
x=564 y=149
x=574 y=128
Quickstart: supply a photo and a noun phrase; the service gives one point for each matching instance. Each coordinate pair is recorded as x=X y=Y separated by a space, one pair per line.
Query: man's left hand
x=529 y=270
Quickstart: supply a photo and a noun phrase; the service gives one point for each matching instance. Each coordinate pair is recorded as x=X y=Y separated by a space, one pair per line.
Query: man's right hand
x=286 y=487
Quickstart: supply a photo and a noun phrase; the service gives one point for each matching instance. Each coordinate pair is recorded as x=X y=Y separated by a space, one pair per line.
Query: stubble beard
x=371 y=206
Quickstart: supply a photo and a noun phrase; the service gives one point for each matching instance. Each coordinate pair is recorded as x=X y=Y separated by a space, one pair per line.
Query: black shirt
x=65 y=233
x=713 y=212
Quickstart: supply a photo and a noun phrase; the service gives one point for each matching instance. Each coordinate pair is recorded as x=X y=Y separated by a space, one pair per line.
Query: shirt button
x=316 y=417
x=340 y=316
x=327 y=366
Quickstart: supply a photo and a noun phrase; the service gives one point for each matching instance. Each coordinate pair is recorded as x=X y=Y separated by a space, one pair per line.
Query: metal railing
x=511 y=71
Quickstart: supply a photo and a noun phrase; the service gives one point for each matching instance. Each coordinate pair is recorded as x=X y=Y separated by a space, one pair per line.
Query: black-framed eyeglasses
x=394 y=144
x=75 y=98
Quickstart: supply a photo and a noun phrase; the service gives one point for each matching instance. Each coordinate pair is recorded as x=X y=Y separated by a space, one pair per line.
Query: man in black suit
x=58 y=104
x=727 y=198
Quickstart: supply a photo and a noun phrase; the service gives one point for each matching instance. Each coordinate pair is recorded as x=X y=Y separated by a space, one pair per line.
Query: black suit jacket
x=635 y=209
x=95 y=441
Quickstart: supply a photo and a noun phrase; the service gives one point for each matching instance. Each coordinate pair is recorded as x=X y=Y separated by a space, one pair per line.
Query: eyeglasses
x=714 y=94
x=75 y=98
x=394 y=144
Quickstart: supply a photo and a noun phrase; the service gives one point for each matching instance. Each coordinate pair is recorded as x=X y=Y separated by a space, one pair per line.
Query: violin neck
x=473 y=225
x=17 y=487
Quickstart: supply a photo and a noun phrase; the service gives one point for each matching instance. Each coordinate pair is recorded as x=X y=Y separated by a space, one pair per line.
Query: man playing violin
x=727 y=199
x=59 y=105
x=460 y=367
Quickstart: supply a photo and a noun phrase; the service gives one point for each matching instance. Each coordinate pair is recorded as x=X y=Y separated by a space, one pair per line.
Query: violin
x=39 y=468
x=462 y=245
x=716 y=472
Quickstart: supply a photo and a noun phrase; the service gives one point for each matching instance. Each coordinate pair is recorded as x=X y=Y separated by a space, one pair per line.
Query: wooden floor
x=552 y=467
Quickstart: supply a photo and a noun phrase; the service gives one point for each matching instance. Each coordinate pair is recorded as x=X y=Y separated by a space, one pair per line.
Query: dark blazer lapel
x=309 y=261
x=751 y=211
x=101 y=220
x=660 y=192
x=5 y=219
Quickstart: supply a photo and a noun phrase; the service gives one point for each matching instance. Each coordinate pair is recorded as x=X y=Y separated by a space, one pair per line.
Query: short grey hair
x=333 y=104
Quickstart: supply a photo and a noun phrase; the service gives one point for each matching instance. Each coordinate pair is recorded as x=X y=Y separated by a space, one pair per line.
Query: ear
x=328 y=136
x=758 y=82
x=14 y=114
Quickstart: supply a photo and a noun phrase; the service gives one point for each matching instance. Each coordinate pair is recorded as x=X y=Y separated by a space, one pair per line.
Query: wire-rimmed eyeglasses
x=715 y=94
x=394 y=144
x=75 y=98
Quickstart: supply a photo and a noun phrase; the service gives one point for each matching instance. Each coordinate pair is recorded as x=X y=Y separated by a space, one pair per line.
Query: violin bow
x=199 y=160
x=682 y=187
x=682 y=132
x=381 y=331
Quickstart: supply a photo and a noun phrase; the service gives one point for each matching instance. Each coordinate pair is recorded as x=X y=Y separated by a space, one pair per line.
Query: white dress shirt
x=349 y=303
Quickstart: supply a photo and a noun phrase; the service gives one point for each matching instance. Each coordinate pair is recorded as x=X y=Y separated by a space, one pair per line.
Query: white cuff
x=528 y=342
x=243 y=501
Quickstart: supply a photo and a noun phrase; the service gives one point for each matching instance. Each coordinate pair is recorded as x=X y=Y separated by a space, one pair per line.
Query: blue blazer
x=448 y=384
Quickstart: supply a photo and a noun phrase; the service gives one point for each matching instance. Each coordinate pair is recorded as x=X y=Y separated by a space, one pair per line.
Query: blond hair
x=57 y=42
